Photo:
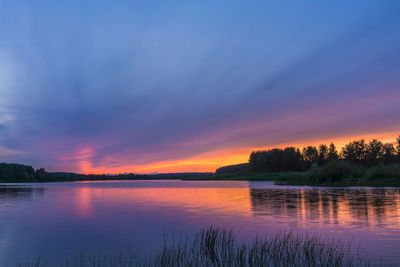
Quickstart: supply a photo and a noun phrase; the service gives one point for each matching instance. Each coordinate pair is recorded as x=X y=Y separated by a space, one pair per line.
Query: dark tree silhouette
x=398 y=148
x=12 y=171
x=310 y=155
x=359 y=152
x=389 y=154
x=41 y=174
x=292 y=159
x=323 y=153
x=276 y=160
x=374 y=153
x=332 y=153
x=355 y=151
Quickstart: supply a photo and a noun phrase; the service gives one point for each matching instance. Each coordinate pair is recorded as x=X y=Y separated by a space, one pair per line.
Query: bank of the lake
x=240 y=176
x=342 y=173
x=381 y=176
x=335 y=173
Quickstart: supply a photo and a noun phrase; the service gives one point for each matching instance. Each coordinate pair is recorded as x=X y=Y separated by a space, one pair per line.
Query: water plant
x=216 y=246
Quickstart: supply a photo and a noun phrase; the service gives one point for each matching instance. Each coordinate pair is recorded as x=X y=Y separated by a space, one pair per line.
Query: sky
x=175 y=86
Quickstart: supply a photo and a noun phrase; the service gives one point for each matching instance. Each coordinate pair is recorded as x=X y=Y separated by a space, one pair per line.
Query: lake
x=55 y=221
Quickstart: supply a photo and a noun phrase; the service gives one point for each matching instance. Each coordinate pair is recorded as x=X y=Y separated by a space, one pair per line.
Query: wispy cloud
x=184 y=86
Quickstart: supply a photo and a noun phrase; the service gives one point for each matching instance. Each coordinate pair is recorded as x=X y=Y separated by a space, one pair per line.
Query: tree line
x=19 y=172
x=360 y=152
x=13 y=172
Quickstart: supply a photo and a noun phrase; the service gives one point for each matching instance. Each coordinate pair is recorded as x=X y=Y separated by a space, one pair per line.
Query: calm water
x=59 y=220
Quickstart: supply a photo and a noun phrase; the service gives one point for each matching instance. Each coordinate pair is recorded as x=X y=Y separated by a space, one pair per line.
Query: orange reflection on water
x=84 y=206
x=336 y=207
x=215 y=200
x=345 y=208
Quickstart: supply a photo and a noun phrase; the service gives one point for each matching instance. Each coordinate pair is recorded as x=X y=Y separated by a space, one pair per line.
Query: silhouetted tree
x=276 y=160
x=355 y=151
x=332 y=153
x=398 y=149
x=292 y=159
x=256 y=161
x=41 y=174
x=310 y=155
x=388 y=154
x=322 y=155
x=374 y=153
x=16 y=172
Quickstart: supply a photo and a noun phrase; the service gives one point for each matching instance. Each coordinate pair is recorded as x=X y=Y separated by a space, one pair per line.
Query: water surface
x=56 y=221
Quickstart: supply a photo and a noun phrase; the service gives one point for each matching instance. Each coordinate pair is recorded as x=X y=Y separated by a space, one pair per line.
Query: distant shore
x=383 y=176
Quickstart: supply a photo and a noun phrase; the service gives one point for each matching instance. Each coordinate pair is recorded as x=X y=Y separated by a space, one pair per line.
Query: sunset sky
x=146 y=86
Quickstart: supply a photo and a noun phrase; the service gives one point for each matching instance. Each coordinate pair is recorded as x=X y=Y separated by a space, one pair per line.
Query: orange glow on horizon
x=210 y=161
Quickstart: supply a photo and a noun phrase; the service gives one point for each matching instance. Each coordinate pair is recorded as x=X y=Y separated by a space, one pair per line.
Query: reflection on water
x=59 y=219
x=18 y=193
x=346 y=207
x=233 y=201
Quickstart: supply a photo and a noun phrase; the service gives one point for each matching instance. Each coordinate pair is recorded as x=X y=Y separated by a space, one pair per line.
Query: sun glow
x=210 y=161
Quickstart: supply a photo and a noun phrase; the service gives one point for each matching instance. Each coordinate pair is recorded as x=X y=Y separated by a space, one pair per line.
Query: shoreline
x=278 y=179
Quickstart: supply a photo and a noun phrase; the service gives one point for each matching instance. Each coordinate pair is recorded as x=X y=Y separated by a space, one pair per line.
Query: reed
x=219 y=247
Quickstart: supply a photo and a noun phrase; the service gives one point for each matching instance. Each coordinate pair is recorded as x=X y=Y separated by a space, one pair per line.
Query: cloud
x=84 y=89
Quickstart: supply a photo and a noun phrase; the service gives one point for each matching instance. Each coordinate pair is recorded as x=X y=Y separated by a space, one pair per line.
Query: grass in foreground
x=220 y=247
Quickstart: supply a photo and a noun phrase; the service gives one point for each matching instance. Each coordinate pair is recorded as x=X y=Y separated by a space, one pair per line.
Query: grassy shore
x=345 y=174
x=338 y=173
x=221 y=247
x=334 y=173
